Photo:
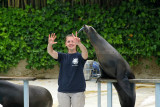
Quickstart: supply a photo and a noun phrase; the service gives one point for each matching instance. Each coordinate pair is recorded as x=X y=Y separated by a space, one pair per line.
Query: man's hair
x=69 y=35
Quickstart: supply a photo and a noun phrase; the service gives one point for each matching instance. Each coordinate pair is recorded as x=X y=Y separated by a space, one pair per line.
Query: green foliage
x=132 y=28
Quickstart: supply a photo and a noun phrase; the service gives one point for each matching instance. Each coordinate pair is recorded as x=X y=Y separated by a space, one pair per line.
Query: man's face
x=70 y=43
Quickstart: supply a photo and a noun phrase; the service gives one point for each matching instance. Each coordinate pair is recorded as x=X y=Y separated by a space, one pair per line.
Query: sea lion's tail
x=126 y=92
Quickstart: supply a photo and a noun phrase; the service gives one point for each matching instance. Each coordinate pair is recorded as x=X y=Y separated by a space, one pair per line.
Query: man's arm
x=50 y=50
x=84 y=50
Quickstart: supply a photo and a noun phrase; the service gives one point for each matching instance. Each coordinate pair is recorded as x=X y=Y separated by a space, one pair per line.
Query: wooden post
x=9 y=3
x=13 y=3
x=37 y=4
x=17 y=3
x=32 y=3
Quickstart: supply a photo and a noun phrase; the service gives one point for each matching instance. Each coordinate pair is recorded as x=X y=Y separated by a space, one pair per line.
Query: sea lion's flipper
x=103 y=74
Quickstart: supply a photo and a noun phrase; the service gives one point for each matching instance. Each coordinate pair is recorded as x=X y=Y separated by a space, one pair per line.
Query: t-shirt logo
x=75 y=61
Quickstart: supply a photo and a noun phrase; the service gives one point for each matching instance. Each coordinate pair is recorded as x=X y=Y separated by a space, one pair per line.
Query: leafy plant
x=132 y=28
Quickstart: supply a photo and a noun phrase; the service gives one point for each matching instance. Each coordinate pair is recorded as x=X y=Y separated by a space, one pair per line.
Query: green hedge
x=132 y=28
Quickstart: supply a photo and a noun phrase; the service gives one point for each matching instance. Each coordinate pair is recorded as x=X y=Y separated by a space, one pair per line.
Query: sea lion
x=114 y=66
x=11 y=95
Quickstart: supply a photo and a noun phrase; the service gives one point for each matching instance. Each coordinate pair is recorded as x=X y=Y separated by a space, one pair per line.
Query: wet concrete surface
x=145 y=93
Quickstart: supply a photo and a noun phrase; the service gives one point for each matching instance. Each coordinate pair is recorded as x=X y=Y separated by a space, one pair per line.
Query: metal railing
x=109 y=89
x=25 y=85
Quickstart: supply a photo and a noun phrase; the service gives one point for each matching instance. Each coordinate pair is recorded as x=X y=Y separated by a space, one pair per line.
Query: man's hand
x=81 y=46
x=77 y=40
x=50 y=50
x=51 y=39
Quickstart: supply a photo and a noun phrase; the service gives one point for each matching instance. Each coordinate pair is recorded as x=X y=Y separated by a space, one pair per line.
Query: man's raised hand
x=51 y=39
x=77 y=40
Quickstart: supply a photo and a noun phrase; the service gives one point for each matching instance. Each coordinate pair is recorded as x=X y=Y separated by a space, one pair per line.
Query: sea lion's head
x=91 y=33
x=93 y=36
x=89 y=30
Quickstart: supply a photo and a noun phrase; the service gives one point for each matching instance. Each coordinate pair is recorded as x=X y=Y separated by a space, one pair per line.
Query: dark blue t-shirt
x=71 y=78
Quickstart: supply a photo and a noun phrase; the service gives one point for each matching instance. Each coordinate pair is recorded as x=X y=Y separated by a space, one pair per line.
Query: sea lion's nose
x=80 y=29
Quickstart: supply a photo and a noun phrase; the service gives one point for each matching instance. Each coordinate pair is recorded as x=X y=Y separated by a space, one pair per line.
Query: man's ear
x=65 y=43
